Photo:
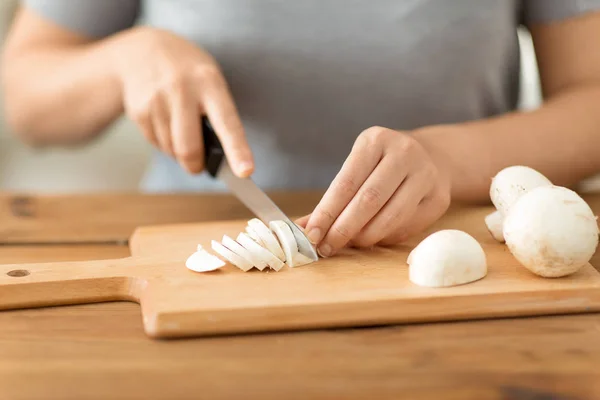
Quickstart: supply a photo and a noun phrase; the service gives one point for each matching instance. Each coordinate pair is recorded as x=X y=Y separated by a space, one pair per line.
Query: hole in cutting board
x=17 y=273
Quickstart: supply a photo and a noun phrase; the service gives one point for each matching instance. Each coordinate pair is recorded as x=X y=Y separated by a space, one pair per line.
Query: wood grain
x=100 y=352
x=112 y=218
x=354 y=288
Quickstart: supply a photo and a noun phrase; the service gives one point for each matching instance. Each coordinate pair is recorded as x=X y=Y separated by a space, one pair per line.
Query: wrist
x=434 y=140
x=464 y=153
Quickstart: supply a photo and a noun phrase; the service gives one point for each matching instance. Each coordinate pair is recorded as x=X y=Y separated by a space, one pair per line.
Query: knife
x=246 y=190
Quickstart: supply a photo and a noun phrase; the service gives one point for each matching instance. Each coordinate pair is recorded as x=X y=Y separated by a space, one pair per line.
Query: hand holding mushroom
x=388 y=189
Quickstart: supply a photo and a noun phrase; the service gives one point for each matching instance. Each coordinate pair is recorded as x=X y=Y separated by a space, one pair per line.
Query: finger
x=396 y=214
x=428 y=211
x=160 y=121
x=302 y=221
x=223 y=115
x=144 y=122
x=185 y=128
x=355 y=171
x=370 y=198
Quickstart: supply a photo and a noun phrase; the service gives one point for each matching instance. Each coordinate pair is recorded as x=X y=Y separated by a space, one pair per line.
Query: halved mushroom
x=259 y=252
x=447 y=258
x=288 y=242
x=232 y=257
x=203 y=261
x=266 y=236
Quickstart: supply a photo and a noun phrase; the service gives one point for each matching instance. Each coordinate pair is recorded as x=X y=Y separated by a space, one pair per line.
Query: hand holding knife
x=246 y=190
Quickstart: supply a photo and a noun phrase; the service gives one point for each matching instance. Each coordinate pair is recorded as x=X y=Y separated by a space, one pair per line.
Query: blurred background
x=117 y=161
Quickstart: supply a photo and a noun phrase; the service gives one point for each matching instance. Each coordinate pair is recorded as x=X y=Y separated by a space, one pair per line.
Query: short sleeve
x=94 y=18
x=541 y=11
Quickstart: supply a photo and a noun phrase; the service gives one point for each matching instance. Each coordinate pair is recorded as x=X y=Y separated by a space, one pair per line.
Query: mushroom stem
x=494 y=222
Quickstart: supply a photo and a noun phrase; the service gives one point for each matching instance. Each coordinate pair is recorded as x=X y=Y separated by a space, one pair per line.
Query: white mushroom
x=268 y=239
x=511 y=183
x=552 y=231
x=254 y=236
x=288 y=242
x=447 y=258
x=203 y=261
x=260 y=253
x=493 y=222
x=241 y=251
x=230 y=256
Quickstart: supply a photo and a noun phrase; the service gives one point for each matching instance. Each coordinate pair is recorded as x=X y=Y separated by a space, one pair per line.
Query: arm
x=58 y=85
x=561 y=139
x=395 y=184
x=64 y=87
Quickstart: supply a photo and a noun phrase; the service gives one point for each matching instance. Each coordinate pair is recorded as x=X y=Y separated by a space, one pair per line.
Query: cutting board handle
x=62 y=283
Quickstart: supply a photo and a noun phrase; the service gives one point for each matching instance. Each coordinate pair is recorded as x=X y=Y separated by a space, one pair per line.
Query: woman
x=396 y=106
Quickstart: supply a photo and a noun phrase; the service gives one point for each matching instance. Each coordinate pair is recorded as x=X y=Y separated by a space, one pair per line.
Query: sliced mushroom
x=230 y=256
x=243 y=252
x=288 y=243
x=254 y=236
x=268 y=239
x=203 y=261
x=259 y=252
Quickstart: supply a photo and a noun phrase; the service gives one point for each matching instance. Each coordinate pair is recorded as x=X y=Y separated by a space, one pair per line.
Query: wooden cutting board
x=355 y=288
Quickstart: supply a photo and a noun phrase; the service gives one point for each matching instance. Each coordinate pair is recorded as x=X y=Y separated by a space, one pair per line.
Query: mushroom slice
x=288 y=243
x=260 y=253
x=203 y=261
x=268 y=239
x=254 y=236
x=230 y=256
x=494 y=223
x=242 y=252
x=447 y=258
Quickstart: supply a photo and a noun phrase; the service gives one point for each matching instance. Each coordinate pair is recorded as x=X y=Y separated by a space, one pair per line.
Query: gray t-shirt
x=308 y=76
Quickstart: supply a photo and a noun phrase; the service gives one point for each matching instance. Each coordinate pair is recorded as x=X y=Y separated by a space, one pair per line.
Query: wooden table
x=100 y=351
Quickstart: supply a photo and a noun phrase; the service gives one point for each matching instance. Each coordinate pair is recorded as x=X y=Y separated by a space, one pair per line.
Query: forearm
x=61 y=95
x=561 y=139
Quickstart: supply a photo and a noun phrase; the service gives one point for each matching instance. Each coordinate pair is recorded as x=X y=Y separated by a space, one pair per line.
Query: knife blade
x=254 y=198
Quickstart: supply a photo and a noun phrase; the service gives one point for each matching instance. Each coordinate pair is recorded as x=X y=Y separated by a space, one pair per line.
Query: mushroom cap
x=447 y=258
x=511 y=183
x=551 y=231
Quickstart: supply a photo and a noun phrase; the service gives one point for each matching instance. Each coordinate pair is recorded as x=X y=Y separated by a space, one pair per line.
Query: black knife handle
x=213 y=150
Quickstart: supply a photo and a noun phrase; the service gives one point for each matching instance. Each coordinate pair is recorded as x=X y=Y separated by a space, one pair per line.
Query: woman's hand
x=388 y=189
x=168 y=83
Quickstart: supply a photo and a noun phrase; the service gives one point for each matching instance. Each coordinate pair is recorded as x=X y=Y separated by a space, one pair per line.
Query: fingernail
x=325 y=250
x=244 y=168
x=314 y=235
